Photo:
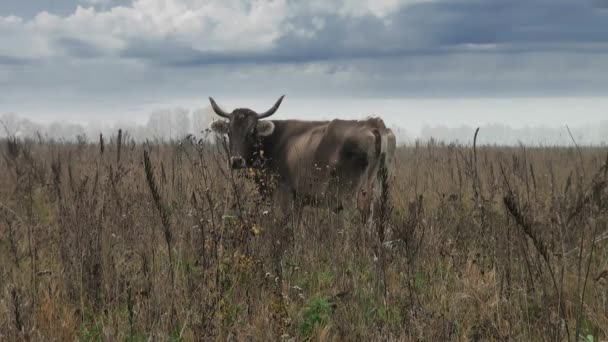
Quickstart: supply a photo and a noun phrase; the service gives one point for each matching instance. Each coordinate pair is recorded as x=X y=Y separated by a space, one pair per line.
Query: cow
x=333 y=163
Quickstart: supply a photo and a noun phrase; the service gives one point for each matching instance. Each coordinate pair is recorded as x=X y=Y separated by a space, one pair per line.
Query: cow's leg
x=298 y=203
x=380 y=206
x=293 y=218
x=283 y=202
x=364 y=202
x=366 y=212
x=282 y=217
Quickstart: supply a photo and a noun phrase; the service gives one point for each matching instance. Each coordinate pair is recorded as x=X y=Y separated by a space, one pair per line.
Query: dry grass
x=123 y=241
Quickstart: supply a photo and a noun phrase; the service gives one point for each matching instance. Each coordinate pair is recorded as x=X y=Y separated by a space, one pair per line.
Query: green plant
x=316 y=312
x=91 y=332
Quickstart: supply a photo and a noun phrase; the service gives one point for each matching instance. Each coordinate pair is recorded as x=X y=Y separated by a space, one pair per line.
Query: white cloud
x=203 y=25
x=378 y=8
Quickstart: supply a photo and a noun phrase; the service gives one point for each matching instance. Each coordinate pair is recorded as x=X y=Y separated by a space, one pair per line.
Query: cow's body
x=328 y=162
x=323 y=163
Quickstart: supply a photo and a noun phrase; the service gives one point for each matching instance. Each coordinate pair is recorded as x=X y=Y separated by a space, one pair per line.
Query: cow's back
x=317 y=157
x=292 y=148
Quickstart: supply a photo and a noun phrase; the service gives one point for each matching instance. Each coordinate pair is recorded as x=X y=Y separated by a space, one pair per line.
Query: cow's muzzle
x=237 y=162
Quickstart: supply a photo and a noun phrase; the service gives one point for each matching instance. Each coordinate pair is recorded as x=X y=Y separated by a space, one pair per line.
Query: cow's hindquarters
x=373 y=194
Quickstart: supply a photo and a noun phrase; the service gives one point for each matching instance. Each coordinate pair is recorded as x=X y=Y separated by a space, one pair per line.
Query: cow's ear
x=265 y=128
x=219 y=126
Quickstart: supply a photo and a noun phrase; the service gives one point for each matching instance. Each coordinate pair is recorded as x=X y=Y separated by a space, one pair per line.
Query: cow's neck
x=267 y=160
x=262 y=163
x=268 y=145
x=260 y=159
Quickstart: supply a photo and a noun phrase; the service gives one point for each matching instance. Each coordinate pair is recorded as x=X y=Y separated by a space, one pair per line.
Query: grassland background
x=117 y=240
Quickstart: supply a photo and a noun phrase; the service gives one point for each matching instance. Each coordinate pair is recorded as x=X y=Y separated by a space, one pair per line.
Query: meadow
x=122 y=241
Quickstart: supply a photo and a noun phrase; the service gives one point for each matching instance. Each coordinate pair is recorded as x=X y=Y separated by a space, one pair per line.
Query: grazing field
x=115 y=241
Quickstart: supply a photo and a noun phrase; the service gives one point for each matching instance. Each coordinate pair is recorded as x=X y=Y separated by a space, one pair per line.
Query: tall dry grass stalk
x=467 y=243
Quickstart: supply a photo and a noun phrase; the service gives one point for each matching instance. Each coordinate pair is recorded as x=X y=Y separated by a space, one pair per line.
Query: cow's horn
x=271 y=110
x=219 y=111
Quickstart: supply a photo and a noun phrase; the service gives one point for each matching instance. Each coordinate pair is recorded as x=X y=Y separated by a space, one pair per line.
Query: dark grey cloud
x=430 y=28
x=517 y=21
x=459 y=48
x=600 y=3
x=13 y=61
x=78 y=48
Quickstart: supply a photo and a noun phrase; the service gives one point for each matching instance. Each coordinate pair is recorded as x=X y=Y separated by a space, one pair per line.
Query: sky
x=416 y=61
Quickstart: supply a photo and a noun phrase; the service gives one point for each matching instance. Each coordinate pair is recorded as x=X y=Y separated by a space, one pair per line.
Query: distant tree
x=181 y=122
x=9 y=124
x=155 y=125
x=201 y=118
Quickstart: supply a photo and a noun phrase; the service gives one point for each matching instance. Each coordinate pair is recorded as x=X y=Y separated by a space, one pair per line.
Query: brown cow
x=333 y=163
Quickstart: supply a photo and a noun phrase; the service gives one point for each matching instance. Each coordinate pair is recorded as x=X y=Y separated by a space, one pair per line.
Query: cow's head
x=243 y=127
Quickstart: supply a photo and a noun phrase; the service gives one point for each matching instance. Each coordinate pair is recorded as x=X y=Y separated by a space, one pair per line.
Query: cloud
x=98 y=2
x=162 y=48
x=8 y=60
x=77 y=47
x=215 y=27
x=205 y=26
x=235 y=31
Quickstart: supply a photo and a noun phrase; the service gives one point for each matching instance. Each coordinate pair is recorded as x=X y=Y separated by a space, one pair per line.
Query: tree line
x=177 y=123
